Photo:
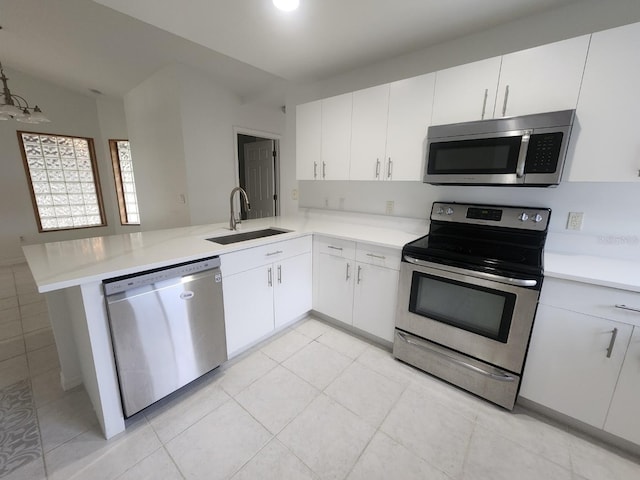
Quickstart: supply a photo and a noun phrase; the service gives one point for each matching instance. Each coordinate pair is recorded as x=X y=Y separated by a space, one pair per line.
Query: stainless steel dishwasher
x=167 y=329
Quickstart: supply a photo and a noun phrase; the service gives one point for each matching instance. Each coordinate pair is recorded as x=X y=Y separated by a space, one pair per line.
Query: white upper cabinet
x=605 y=144
x=336 y=137
x=369 y=132
x=410 y=103
x=466 y=92
x=542 y=79
x=308 y=139
x=389 y=129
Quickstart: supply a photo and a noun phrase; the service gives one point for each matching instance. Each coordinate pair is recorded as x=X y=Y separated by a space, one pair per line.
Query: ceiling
x=246 y=45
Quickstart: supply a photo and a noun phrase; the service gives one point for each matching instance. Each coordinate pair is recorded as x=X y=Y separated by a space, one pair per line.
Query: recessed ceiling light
x=286 y=5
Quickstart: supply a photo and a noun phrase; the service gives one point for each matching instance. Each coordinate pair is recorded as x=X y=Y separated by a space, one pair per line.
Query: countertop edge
x=36 y=258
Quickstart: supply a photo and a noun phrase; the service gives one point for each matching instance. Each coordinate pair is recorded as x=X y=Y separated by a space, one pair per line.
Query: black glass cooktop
x=499 y=250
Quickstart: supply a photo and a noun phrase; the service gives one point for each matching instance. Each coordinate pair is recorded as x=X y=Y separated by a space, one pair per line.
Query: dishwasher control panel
x=149 y=277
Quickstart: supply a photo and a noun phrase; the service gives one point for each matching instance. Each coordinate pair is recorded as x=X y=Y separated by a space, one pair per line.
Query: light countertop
x=58 y=265
x=607 y=272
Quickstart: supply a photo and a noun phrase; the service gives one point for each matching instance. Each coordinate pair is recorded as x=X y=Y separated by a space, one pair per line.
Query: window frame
x=117 y=175
x=94 y=171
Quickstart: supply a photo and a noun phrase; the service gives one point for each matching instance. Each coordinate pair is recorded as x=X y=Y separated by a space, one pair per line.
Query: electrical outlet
x=574 y=222
x=341 y=203
x=389 y=207
x=294 y=194
x=326 y=202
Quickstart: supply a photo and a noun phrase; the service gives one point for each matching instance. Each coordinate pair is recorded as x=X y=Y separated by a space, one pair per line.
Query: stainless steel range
x=468 y=295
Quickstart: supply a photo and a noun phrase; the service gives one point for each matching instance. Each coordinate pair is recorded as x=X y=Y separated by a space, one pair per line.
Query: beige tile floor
x=312 y=403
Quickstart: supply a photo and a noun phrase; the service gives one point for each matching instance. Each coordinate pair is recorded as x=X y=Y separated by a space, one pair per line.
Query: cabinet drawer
x=335 y=247
x=380 y=256
x=591 y=300
x=243 y=260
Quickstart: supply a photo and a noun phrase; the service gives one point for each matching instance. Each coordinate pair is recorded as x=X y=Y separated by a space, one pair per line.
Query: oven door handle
x=502 y=377
x=518 y=282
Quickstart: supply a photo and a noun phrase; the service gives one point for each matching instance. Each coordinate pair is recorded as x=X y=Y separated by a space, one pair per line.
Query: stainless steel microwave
x=528 y=150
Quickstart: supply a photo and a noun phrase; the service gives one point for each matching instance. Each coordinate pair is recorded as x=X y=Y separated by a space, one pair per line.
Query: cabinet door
x=623 y=419
x=410 y=103
x=374 y=300
x=336 y=138
x=335 y=287
x=466 y=92
x=369 y=133
x=308 y=139
x=542 y=79
x=605 y=144
x=248 y=306
x=292 y=294
x=567 y=366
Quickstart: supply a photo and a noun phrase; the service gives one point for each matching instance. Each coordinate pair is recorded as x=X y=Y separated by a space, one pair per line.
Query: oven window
x=482 y=156
x=480 y=310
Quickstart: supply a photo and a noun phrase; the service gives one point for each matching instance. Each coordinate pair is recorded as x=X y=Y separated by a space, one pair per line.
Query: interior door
x=259 y=178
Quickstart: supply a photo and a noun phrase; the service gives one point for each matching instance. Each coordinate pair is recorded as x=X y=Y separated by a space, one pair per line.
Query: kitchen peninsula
x=70 y=273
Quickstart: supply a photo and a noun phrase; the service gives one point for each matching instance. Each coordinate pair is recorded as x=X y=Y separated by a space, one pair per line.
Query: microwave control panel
x=543 y=152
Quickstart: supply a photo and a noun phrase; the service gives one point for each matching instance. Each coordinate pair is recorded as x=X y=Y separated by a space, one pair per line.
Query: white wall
x=181 y=128
x=612 y=222
x=71 y=113
x=155 y=132
x=113 y=126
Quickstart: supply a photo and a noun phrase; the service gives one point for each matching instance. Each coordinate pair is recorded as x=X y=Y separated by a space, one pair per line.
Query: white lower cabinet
x=374 y=300
x=623 y=419
x=568 y=368
x=264 y=288
x=292 y=288
x=582 y=364
x=357 y=285
x=248 y=307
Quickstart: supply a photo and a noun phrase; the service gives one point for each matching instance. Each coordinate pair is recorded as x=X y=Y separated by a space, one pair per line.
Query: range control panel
x=522 y=218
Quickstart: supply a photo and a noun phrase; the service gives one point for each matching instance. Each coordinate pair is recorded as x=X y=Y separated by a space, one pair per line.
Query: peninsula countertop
x=59 y=265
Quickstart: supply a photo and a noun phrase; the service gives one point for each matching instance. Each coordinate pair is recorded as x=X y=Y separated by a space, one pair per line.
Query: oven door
x=485 y=316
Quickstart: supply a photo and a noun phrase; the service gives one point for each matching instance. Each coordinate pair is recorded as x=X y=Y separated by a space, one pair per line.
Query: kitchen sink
x=241 y=237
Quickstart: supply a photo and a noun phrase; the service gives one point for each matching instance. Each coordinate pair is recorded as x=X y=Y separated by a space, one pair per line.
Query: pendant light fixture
x=16 y=107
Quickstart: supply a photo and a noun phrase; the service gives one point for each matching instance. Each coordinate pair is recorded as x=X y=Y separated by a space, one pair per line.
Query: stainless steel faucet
x=233 y=221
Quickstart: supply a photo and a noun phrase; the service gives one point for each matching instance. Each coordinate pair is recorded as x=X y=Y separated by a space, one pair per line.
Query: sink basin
x=241 y=237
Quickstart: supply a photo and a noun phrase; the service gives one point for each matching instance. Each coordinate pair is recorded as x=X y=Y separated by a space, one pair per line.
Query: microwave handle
x=522 y=156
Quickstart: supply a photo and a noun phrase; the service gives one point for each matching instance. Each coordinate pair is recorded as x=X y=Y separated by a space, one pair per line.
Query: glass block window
x=125 y=182
x=63 y=179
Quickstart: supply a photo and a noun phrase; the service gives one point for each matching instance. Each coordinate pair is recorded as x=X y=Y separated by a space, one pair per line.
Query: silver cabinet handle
x=324 y=169
x=381 y=257
x=506 y=99
x=484 y=103
x=348 y=272
x=614 y=334
x=377 y=168
x=631 y=309
x=415 y=342
x=270 y=277
x=472 y=273
x=390 y=169
x=522 y=156
x=334 y=248
x=315 y=170
x=277 y=252
x=279 y=273
x=358 y=279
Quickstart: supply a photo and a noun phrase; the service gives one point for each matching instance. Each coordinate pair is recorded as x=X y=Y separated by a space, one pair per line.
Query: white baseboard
x=69 y=383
